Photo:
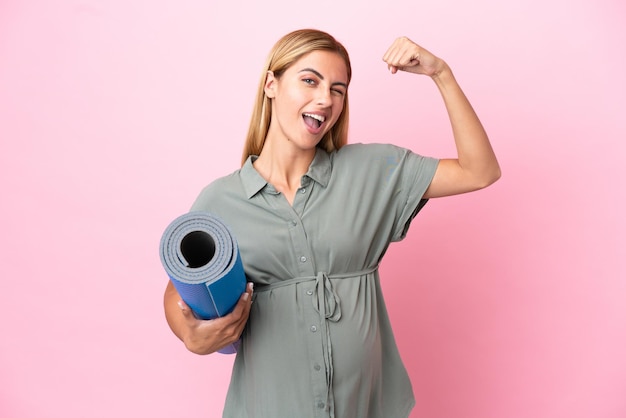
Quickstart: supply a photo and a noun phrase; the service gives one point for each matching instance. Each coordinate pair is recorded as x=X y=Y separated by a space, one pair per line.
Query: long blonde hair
x=285 y=53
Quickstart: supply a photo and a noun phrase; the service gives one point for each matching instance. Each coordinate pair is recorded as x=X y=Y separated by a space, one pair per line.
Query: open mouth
x=313 y=121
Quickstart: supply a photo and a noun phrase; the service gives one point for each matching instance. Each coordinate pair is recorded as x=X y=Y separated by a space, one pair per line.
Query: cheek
x=294 y=100
x=285 y=105
x=337 y=111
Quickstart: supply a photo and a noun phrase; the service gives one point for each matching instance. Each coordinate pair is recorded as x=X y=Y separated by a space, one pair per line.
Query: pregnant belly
x=356 y=349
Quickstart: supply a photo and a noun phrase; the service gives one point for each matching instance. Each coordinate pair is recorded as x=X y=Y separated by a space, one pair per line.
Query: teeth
x=317 y=117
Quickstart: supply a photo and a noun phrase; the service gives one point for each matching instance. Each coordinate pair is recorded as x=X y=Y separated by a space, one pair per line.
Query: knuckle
x=232 y=336
x=233 y=316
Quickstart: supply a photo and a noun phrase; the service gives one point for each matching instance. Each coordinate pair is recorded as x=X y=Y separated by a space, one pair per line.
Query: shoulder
x=213 y=194
x=369 y=150
x=382 y=161
x=369 y=156
x=223 y=183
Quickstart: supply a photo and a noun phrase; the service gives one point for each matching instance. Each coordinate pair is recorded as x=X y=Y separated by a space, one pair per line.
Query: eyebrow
x=321 y=77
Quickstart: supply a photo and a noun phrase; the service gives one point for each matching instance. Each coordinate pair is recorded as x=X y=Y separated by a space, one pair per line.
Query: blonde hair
x=289 y=49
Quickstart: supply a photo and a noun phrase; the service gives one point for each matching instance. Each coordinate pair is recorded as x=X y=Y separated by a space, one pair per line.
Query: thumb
x=185 y=309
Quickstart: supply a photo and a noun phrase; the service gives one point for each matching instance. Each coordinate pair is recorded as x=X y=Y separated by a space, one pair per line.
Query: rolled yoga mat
x=201 y=258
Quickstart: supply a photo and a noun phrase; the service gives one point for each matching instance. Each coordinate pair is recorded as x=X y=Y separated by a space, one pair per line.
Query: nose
x=323 y=97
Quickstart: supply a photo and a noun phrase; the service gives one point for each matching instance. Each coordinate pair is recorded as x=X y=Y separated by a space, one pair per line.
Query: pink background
x=509 y=302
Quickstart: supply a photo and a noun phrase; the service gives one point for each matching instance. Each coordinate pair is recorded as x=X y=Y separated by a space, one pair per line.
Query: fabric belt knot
x=327 y=304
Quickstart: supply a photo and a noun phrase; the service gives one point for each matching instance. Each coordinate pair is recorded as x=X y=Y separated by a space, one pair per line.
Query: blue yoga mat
x=201 y=258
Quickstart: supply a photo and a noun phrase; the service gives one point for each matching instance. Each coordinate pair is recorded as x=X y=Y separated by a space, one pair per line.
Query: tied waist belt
x=327 y=304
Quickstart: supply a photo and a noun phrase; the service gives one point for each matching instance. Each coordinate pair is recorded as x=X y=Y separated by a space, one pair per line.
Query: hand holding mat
x=201 y=258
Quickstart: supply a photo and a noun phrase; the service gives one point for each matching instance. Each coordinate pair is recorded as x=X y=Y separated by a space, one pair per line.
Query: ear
x=270 y=85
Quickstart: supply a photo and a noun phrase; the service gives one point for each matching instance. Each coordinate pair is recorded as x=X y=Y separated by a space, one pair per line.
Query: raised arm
x=476 y=165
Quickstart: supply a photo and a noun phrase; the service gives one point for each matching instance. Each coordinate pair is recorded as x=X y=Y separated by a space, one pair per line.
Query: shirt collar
x=319 y=171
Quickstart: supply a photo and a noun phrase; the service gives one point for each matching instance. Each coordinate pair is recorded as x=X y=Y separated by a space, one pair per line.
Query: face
x=307 y=99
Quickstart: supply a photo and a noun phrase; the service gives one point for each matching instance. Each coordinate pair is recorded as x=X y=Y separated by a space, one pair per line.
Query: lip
x=311 y=130
x=323 y=114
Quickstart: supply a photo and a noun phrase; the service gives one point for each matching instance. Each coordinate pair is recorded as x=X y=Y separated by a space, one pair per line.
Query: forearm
x=474 y=152
x=180 y=323
x=205 y=336
x=173 y=314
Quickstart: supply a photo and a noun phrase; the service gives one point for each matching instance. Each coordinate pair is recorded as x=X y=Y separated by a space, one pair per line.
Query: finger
x=395 y=47
x=247 y=296
x=388 y=53
x=392 y=52
x=232 y=320
x=400 y=61
x=397 y=56
x=241 y=321
x=241 y=309
x=406 y=57
x=392 y=68
x=403 y=53
x=186 y=311
x=392 y=56
x=232 y=325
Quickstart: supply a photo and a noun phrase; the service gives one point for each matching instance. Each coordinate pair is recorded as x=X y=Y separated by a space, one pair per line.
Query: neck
x=284 y=168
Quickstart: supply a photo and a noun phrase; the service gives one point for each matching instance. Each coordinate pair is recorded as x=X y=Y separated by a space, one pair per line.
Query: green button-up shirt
x=318 y=342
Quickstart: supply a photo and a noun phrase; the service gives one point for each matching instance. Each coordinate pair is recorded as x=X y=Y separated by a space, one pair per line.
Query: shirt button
x=294 y=223
x=317 y=367
x=320 y=405
x=303 y=190
x=309 y=292
x=303 y=259
x=313 y=328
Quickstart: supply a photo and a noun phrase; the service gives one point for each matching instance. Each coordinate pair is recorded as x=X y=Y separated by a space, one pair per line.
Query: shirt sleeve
x=392 y=181
x=415 y=173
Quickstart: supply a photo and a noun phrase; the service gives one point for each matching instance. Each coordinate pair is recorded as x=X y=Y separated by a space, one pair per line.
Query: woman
x=313 y=218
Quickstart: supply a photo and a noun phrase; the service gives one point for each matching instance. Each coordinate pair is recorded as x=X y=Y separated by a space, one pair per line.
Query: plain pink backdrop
x=507 y=303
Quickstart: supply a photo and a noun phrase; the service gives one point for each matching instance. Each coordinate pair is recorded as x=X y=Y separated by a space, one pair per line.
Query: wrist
x=195 y=346
x=444 y=78
x=443 y=73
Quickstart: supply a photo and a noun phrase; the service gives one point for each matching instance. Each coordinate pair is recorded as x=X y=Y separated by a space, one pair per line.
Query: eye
x=338 y=92
x=309 y=81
